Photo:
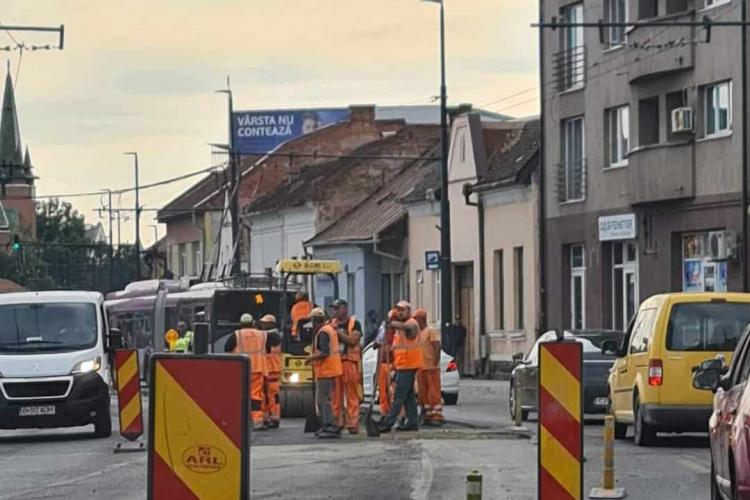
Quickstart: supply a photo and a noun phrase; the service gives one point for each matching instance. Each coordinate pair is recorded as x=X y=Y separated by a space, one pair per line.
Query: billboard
x=258 y=132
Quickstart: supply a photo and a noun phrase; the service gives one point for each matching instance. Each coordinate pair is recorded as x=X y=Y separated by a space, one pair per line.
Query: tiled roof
x=8 y=286
x=512 y=157
x=381 y=209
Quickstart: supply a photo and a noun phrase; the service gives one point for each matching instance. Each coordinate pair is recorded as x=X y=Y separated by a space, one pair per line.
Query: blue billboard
x=258 y=132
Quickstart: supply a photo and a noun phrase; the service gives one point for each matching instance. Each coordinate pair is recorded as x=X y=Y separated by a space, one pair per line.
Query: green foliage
x=58 y=222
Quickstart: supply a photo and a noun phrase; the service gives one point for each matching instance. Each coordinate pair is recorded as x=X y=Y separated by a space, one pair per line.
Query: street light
x=137 y=220
x=233 y=188
x=446 y=299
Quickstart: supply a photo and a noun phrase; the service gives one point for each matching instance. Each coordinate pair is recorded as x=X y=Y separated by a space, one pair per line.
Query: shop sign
x=617 y=227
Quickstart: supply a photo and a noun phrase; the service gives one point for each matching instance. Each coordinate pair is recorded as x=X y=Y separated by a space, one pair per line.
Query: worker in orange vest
x=407 y=360
x=300 y=310
x=326 y=362
x=251 y=341
x=272 y=413
x=384 y=341
x=348 y=388
x=428 y=377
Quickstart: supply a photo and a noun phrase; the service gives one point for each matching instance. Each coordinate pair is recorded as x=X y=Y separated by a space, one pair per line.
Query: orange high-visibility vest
x=330 y=366
x=407 y=353
x=300 y=309
x=253 y=343
x=352 y=353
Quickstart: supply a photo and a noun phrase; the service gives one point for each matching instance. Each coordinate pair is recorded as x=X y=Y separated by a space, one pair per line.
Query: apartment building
x=642 y=156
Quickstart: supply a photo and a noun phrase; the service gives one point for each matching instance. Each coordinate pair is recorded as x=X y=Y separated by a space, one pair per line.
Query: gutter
x=484 y=354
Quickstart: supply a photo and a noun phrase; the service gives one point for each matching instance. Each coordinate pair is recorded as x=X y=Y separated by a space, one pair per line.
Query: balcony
x=571 y=181
x=569 y=69
x=661 y=50
x=662 y=172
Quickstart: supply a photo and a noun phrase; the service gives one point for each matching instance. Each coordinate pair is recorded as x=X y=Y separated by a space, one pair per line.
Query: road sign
x=432 y=260
x=129 y=393
x=198 y=426
x=560 y=461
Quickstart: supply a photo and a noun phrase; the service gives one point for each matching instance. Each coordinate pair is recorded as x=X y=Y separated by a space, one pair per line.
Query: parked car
x=728 y=425
x=524 y=379
x=650 y=386
x=449 y=378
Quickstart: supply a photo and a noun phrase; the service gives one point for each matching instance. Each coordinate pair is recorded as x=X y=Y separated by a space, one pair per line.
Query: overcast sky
x=140 y=75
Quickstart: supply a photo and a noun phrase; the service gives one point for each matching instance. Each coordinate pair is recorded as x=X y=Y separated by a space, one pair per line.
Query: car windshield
x=711 y=326
x=31 y=328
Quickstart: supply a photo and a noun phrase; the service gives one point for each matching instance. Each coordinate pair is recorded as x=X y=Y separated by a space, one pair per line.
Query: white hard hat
x=246 y=319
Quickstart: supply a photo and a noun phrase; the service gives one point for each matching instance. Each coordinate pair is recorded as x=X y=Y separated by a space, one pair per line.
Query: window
x=718 y=108
x=624 y=283
x=183 y=260
x=197 y=258
x=573 y=172
x=617 y=126
x=714 y=3
x=648 y=121
x=675 y=6
x=700 y=271
x=573 y=51
x=351 y=291
x=677 y=99
x=643 y=331
x=706 y=326
x=386 y=301
x=420 y=288
x=499 y=291
x=647 y=9
x=577 y=287
x=518 y=266
x=616 y=13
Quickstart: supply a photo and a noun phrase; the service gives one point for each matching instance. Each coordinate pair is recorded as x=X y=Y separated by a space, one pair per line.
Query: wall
x=424 y=236
x=279 y=235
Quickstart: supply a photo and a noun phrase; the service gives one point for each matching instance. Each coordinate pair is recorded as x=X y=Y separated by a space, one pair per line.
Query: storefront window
x=624 y=283
x=700 y=273
x=577 y=287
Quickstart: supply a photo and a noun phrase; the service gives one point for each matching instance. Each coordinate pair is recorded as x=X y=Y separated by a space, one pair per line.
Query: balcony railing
x=571 y=181
x=569 y=68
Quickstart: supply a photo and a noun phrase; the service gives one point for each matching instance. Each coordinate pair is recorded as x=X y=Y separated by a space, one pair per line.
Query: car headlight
x=86 y=366
x=294 y=378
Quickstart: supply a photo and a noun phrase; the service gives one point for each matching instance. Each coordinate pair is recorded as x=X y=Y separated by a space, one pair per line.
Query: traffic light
x=16 y=245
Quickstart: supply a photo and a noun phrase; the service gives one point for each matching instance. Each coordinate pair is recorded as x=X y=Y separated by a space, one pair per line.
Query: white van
x=54 y=370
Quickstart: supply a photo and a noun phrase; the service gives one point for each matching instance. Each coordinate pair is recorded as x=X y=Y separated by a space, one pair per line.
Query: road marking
x=105 y=470
x=693 y=465
x=421 y=487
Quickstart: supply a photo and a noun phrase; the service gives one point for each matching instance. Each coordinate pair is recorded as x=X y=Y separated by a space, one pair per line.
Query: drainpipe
x=467 y=191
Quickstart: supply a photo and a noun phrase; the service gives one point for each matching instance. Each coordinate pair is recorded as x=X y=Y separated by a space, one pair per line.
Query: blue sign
x=432 y=260
x=258 y=132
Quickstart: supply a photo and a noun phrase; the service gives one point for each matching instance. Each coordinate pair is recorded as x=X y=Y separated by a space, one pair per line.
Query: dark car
x=524 y=379
x=729 y=425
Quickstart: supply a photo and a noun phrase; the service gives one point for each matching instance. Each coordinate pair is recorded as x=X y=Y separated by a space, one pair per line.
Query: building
x=17 y=210
x=494 y=196
x=95 y=234
x=642 y=157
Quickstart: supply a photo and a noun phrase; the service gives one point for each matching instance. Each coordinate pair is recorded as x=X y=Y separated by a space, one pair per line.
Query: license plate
x=33 y=411
x=601 y=401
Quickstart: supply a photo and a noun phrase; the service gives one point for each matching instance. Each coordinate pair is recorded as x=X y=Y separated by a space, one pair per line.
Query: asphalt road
x=287 y=463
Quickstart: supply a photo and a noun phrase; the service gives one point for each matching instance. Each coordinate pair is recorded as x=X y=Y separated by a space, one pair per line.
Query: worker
x=251 y=341
x=348 y=390
x=326 y=362
x=272 y=414
x=383 y=341
x=407 y=359
x=300 y=310
x=185 y=342
x=428 y=377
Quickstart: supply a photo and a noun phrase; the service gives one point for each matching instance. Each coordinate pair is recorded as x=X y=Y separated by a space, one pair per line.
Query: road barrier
x=474 y=485
x=560 y=458
x=608 y=489
x=199 y=445
x=130 y=411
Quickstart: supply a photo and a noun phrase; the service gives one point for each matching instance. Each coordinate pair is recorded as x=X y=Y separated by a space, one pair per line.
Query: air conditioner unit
x=722 y=245
x=682 y=120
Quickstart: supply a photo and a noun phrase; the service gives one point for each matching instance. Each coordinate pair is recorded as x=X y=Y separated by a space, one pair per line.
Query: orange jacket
x=330 y=366
x=253 y=343
x=352 y=352
x=300 y=309
x=273 y=359
x=407 y=353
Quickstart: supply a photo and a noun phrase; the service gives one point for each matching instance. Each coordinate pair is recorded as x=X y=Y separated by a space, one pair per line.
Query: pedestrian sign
x=560 y=421
x=198 y=427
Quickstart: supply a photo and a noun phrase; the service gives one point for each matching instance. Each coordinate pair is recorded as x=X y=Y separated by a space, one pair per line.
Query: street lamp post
x=137 y=220
x=446 y=298
x=234 y=209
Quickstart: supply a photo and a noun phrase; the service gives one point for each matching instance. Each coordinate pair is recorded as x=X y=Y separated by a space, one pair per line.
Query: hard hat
x=318 y=312
x=420 y=313
x=339 y=303
x=246 y=319
x=268 y=318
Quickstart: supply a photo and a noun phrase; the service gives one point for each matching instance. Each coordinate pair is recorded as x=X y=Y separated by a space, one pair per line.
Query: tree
x=58 y=222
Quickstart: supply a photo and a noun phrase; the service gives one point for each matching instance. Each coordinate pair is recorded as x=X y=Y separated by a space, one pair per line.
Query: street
x=431 y=464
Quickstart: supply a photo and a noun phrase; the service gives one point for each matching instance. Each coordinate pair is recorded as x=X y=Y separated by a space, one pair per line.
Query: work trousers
x=347 y=396
x=385 y=393
x=405 y=397
x=325 y=392
x=257 y=397
x=430 y=398
x=273 y=406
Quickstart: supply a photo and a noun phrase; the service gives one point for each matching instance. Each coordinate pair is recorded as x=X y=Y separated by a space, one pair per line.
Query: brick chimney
x=364 y=113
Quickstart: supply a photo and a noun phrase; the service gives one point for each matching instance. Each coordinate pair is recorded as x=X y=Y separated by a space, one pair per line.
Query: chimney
x=364 y=113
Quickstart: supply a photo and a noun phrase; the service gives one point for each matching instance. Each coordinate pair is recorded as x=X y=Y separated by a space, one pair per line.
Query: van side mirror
x=707 y=375
x=517 y=359
x=610 y=348
x=114 y=339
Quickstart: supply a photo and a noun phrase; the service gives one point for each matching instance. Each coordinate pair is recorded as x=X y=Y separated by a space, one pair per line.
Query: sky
x=141 y=75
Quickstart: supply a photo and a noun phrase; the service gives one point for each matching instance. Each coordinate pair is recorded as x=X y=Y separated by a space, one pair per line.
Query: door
x=465 y=315
x=625 y=370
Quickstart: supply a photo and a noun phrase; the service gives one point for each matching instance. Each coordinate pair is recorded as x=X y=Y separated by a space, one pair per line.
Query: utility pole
x=137 y=220
x=233 y=184
x=111 y=243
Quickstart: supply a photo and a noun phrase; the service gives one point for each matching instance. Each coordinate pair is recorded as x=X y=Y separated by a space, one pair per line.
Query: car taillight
x=452 y=366
x=655 y=372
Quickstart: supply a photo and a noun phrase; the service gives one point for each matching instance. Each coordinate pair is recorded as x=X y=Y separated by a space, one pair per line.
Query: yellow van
x=650 y=384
